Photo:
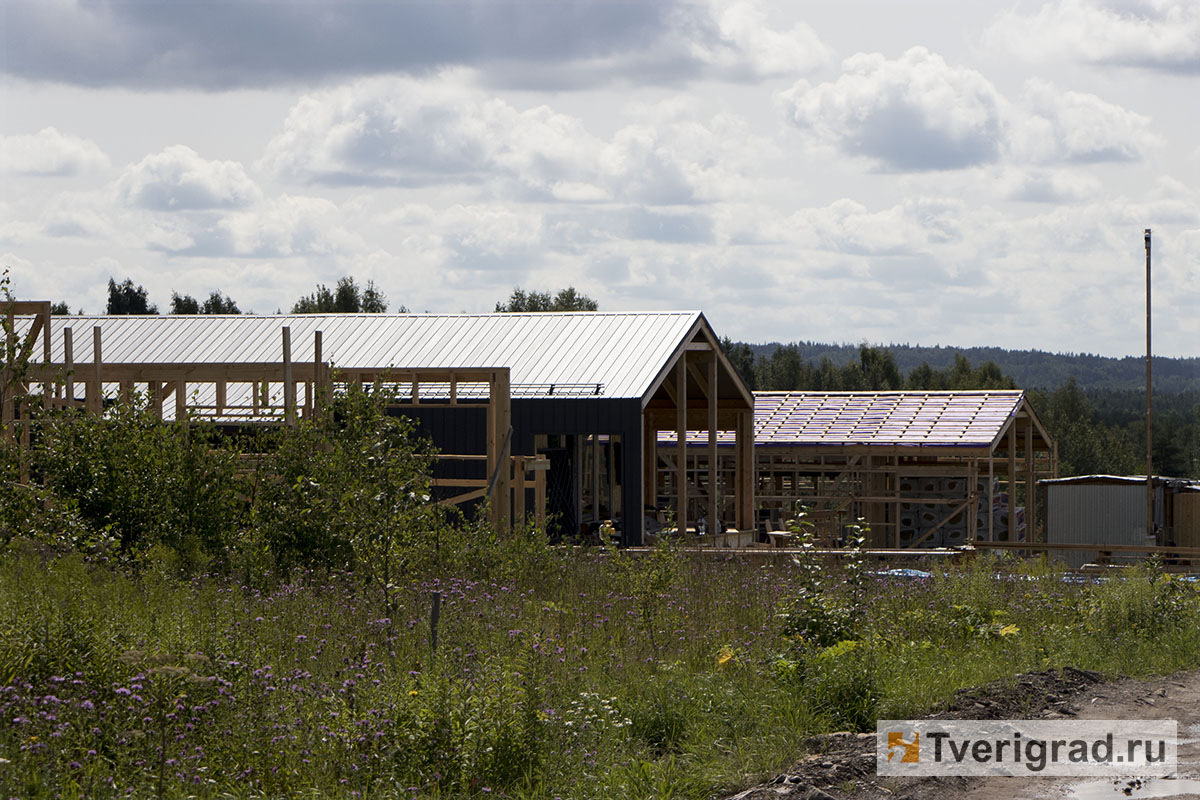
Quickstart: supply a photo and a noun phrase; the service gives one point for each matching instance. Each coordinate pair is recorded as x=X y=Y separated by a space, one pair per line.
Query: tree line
x=1098 y=430
x=346 y=297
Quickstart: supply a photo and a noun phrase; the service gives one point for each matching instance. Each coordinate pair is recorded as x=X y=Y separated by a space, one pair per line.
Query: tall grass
x=559 y=683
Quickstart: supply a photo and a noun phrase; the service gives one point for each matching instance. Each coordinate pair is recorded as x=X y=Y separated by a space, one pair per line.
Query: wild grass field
x=169 y=628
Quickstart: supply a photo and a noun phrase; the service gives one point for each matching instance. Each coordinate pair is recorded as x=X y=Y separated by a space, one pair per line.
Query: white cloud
x=178 y=179
x=1048 y=186
x=1073 y=126
x=49 y=152
x=407 y=132
x=918 y=113
x=914 y=113
x=747 y=45
x=910 y=228
x=1156 y=34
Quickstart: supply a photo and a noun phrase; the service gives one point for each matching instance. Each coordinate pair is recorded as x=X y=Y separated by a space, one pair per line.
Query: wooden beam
x=1012 y=481
x=1030 y=485
x=744 y=469
x=649 y=462
x=69 y=364
x=709 y=387
x=95 y=388
x=289 y=387
x=181 y=412
x=681 y=444
x=317 y=387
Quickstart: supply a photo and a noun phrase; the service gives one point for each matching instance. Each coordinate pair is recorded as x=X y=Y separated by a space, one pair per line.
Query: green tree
x=567 y=299
x=347 y=297
x=1085 y=446
x=742 y=358
x=185 y=304
x=125 y=298
x=60 y=309
x=218 y=303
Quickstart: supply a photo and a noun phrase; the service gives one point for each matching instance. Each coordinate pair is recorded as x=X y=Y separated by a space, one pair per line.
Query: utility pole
x=1149 y=438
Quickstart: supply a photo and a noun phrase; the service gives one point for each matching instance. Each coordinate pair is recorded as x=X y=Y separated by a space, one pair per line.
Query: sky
x=931 y=172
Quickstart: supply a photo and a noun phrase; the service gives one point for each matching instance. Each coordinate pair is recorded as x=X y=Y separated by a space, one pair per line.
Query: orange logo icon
x=911 y=750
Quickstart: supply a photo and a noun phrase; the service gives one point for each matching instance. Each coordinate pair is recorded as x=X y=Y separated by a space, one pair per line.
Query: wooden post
x=541 y=465
x=744 y=467
x=518 y=466
x=681 y=492
x=126 y=394
x=221 y=398
x=649 y=460
x=318 y=383
x=1012 y=482
x=69 y=364
x=714 y=479
x=595 y=457
x=95 y=388
x=181 y=413
x=501 y=400
x=289 y=386
x=991 y=509
x=1030 y=486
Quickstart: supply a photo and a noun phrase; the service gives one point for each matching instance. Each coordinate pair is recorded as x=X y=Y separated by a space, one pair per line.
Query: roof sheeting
x=622 y=352
x=945 y=419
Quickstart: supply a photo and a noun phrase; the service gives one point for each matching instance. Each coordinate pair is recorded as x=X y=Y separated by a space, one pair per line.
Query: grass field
x=558 y=672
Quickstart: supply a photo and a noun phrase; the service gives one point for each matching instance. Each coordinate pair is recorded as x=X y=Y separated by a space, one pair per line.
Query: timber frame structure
x=920 y=469
x=270 y=394
x=549 y=412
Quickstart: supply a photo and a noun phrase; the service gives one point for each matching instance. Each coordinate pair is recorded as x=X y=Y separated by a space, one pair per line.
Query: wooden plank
x=95 y=387
x=463 y=498
x=1011 y=533
x=649 y=461
x=1182 y=552
x=961 y=506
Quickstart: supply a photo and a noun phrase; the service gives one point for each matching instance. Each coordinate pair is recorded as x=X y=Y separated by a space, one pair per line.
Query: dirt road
x=842 y=766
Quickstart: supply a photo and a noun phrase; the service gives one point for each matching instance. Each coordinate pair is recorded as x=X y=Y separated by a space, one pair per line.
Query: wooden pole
x=1149 y=417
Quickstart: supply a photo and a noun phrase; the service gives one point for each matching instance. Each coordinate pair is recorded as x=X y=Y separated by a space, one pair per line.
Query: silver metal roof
x=622 y=351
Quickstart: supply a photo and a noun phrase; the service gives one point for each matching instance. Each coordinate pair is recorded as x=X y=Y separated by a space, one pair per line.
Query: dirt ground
x=841 y=766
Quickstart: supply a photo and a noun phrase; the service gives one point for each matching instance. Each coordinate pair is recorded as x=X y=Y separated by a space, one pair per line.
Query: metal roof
x=622 y=352
x=949 y=419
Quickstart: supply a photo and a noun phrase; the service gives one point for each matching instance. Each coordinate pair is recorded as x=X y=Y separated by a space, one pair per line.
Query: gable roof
x=946 y=419
x=622 y=352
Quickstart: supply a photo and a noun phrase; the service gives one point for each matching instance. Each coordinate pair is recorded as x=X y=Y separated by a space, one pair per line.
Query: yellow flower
x=1009 y=630
x=413 y=693
x=725 y=655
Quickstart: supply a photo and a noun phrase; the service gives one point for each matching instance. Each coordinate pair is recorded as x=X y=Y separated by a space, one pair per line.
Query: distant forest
x=1093 y=406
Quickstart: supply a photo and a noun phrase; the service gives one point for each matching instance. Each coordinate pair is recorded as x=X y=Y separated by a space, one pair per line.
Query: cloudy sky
x=929 y=172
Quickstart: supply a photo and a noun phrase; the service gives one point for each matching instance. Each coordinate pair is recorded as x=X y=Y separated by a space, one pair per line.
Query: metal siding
x=1097 y=514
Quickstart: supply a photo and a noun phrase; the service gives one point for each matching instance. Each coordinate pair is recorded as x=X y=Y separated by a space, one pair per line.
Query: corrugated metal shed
x=621 y=352
x=948 y=419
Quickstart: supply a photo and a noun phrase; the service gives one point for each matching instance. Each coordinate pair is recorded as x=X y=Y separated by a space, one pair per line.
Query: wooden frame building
x=582 y=394
x=922 y=469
